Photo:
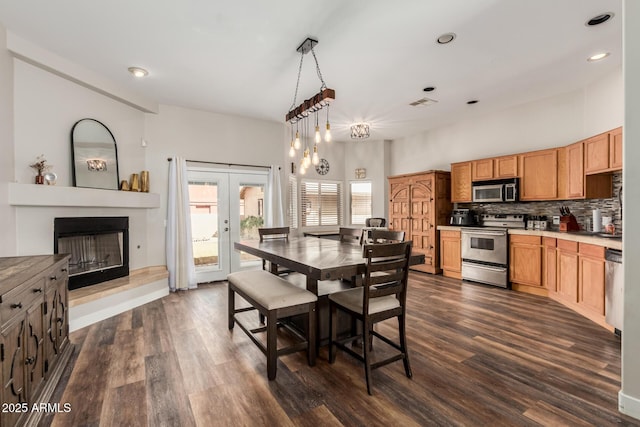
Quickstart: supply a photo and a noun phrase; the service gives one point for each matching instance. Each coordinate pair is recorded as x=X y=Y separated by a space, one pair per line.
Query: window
x=293 y=202
x=360 y=202
x=321 y=203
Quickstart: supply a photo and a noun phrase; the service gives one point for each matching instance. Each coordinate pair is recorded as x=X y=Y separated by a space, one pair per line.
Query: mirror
x=94 y=155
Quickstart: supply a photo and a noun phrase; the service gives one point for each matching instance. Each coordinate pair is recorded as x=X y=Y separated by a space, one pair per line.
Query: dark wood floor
x=480 y=356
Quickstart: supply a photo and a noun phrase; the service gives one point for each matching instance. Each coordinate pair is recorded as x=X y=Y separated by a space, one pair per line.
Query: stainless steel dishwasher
x=614 y=289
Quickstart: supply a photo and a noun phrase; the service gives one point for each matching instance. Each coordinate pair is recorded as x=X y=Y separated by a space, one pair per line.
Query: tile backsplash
x=582 y=209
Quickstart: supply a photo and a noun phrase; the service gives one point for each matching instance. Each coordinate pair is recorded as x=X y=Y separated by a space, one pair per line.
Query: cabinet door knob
x=53 y=277
x=64 y=270
x=18 y=305
x=37 y=290
x=29 y=360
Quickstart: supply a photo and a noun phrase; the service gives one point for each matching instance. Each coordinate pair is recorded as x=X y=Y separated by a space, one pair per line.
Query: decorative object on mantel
x=360 y=131
x=361 y=173
x=144 y=181
x=300 y=115
x=134 y=183
x=50 y=178
x=124 y=185
x=94 y=155
x=40 y=166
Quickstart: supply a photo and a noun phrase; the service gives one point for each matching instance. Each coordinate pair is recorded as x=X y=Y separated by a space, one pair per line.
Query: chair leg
x=333 y=331
x=311 y=335
x=366 y=334
x=272 y=345
x=231 y=307
x=403 y=345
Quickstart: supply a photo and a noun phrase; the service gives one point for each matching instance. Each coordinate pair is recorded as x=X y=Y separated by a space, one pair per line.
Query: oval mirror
x=94 y=155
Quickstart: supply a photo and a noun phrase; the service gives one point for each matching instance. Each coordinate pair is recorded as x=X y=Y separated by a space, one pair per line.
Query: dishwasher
x=614 y=289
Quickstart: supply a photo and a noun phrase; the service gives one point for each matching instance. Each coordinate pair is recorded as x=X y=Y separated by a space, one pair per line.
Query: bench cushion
x=269 y=290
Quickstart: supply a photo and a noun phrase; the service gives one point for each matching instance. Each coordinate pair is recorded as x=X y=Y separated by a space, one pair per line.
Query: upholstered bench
x=275 y=298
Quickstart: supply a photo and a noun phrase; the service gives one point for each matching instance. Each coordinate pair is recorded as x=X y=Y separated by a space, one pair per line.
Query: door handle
x=226 y=229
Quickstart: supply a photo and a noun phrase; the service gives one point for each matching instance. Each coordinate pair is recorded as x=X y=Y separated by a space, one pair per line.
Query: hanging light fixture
x=299 y=115
x=360 y=131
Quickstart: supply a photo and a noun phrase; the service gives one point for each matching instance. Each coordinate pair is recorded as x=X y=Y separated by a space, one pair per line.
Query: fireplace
x=99 y=248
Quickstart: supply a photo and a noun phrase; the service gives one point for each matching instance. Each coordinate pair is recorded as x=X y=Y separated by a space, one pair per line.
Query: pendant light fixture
x=300 y=115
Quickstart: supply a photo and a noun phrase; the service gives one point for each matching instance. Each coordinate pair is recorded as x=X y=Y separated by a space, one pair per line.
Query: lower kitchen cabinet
x=34 y=330
x=450 y=254
x=591 y=278
x=525 y=263
x=567 y=271
x=549 y=279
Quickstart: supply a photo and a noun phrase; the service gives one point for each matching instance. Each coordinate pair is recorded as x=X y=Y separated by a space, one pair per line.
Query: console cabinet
x=417 y=204
x=34 y=331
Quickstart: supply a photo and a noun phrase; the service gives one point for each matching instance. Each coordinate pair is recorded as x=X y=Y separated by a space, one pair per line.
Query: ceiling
x=239 y=57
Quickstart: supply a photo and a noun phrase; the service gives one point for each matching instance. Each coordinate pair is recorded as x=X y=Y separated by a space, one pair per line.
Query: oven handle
x=485 y=233
x=484 y=267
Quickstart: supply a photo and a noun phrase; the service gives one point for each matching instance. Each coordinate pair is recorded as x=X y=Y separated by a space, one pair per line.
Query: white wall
x=550 y=122
x=629 y=400
x=7 y=213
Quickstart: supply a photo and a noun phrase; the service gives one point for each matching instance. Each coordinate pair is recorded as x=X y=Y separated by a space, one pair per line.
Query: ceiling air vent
x=423 y=102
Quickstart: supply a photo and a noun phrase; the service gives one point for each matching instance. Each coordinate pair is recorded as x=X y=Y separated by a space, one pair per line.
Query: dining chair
x=274 y=233
x=375 y=222
x=380 y=298
x=385 y=236
x=350 y=235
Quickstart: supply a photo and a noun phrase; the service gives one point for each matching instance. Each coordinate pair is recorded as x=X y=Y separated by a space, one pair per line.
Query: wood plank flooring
x=480 y=356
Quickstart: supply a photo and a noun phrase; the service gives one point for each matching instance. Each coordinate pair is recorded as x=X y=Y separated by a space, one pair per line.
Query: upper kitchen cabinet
x=572 y=181
x=539 y=171
x=494 y=168
x=461 y=182
x=603 y=152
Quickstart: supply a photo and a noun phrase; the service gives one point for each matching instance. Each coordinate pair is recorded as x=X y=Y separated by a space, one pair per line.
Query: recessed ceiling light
x=473 y=101
x=598 y=56
x=599 y=19
x=138 y=72
x=446 y=38
x=429 y=89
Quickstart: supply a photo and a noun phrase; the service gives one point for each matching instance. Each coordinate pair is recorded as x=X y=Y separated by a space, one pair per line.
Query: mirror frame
x=109 y=163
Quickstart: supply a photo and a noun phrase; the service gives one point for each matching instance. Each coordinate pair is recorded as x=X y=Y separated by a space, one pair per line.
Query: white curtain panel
x=182 y=271
x=274 y=210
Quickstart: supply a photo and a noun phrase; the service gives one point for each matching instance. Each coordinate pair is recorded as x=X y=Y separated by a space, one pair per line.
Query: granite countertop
x=574 y=236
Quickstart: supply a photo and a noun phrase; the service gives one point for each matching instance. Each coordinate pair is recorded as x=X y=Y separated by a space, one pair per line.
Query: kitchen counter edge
x=573 y=237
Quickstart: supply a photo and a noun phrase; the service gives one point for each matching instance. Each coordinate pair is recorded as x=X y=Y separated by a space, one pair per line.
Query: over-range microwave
x=502 y=190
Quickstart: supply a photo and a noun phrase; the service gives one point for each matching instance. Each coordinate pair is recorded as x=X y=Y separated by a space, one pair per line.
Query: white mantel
x=52 y=195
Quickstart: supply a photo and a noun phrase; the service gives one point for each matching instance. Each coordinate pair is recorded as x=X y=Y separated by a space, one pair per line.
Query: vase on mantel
x=39 y=179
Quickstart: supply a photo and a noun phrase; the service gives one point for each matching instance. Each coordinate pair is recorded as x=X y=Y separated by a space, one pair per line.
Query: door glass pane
x=251 y=215
x=203 y=199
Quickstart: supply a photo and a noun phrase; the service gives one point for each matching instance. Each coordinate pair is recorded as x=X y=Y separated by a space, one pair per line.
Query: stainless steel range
x=485 y=250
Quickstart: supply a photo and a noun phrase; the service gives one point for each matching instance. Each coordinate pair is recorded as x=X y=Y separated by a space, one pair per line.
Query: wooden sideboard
x=34 y=333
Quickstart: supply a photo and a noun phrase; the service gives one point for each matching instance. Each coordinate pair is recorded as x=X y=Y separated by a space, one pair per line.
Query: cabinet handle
x=64 y=270
x=29 y=360
x=37 y=290
x=53 y=277
x=60 y=320
x=18 y=305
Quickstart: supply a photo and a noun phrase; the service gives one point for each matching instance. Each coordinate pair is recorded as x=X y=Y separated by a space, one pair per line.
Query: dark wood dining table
x=317 y=259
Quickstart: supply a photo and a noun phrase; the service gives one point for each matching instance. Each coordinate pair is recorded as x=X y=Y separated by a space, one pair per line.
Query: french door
x=225 y=207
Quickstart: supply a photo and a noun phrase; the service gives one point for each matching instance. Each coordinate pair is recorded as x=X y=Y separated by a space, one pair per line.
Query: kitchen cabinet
x=567 y=270
x=417 y=204
x=603 y=152
x=539 y=170
x=575 y=171
x=461 y=182
x=30 y=365
x=494 y=168
x=525 y=261
x=450 y=254
x=549 y=264
x=591 y=277
x=572 y=181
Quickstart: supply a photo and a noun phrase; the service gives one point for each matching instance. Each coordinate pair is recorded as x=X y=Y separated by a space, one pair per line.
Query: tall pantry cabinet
x=418 y=203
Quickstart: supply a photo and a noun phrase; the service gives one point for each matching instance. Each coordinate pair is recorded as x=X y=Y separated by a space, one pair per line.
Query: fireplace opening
x=99 y=248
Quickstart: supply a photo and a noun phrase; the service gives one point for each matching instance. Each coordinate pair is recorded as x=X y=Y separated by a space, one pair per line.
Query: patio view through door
x=225 y=207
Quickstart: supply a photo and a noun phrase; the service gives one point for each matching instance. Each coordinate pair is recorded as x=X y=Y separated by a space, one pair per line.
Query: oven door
x=488 y=193
x=486 y=246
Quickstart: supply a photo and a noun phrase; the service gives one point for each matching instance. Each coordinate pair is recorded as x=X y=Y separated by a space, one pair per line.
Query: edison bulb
x=296 y=143
x=318 y=137
x=327 y=134
x=315 y=159
x=292 y=151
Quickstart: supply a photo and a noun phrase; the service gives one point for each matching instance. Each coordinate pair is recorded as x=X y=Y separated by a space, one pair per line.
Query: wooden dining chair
x=385 y=236
x=274 y=233
x=350 y=235
x=380 y=298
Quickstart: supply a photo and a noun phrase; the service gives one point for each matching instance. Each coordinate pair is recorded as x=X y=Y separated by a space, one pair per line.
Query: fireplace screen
x=99 y=248
x=92 y=252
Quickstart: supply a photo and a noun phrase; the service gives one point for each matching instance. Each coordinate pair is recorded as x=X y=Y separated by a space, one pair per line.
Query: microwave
x=502 y=190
